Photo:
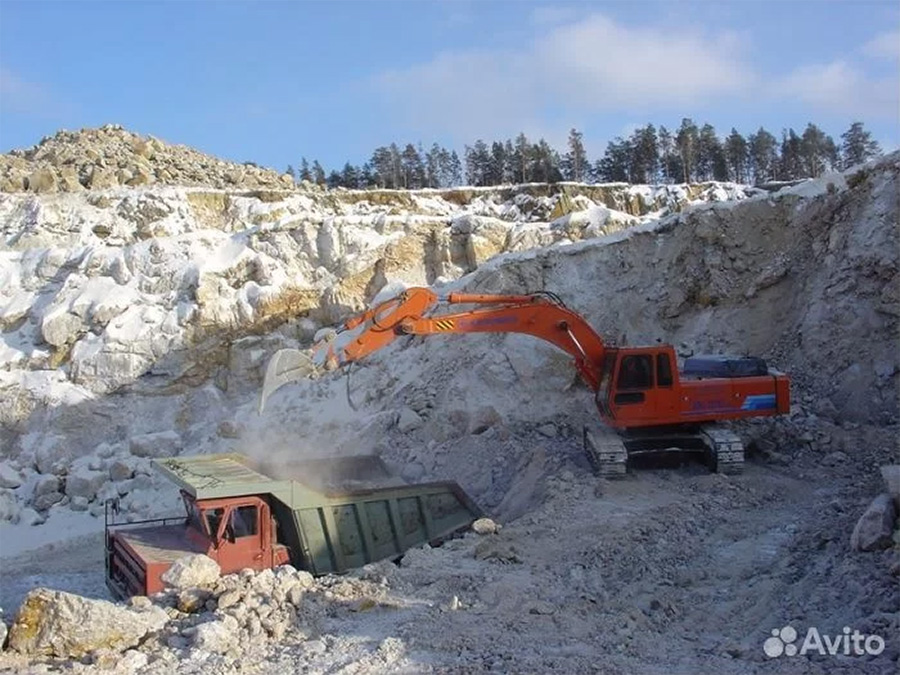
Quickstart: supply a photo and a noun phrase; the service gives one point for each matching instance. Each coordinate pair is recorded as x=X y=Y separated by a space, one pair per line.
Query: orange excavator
x=646 y=404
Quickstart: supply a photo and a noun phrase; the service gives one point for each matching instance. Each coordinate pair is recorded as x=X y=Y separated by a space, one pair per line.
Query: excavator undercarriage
x=611 y=453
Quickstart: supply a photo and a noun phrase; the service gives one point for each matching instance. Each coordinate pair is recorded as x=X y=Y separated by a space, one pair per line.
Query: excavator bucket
x=285 y=366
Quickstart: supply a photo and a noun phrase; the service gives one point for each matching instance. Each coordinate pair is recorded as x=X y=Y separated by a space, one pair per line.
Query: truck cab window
x=636 y=372
x=213 y=518
x=194 y=518
x=243 y=521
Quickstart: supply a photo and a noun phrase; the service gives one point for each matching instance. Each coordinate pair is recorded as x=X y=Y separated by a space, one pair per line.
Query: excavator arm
x=541 y=315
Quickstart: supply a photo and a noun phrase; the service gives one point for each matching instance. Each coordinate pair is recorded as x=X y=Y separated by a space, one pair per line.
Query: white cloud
x=884 y=45
x=838 y=87
x=581 y=68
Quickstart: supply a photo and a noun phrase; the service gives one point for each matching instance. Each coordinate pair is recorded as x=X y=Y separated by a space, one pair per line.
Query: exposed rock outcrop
x=55 y=623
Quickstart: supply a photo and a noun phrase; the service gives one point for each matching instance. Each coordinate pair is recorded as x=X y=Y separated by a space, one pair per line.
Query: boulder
x=192 y=600
x=42 y=180
x=409 y=420
x=874 y=529
x=120 y=470
x=60 y=327
x=217 y=636
x=100 y=178
x=192 y=571
x=161 y=444
x=56 y=623
x=68 y=180
x=85 y=483
x=485 y=526
x=890 y=473
x=79 y=504
x=46 y=500
x=9 y=477
x=46 y=484
x=9 y=506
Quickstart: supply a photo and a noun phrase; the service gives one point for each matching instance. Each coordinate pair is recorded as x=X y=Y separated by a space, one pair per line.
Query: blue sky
x=273 y=81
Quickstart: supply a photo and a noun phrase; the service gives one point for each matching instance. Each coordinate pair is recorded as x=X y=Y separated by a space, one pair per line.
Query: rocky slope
x=98 y=159
x=136 y=321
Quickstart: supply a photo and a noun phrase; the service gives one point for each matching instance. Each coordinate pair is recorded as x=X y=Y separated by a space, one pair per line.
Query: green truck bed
x=333 y=514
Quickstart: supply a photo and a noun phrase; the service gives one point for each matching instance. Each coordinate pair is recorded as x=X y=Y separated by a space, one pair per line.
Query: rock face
x=55 y=623
x=874 y=529
x=195 y=571
x=140 y=276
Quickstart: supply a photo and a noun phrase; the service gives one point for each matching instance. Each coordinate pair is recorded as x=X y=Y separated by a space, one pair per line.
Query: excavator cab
x=637 y=385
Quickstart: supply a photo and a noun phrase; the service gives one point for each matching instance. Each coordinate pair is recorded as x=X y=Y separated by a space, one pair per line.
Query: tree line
x=690 y=153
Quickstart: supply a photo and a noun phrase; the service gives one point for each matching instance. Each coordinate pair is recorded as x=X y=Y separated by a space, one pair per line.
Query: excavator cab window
x=663 y=371
x=636 y=372
x=609 y=362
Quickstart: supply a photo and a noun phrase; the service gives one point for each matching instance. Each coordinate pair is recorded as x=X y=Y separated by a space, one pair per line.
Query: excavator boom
x=413 y=312
x=541 y=315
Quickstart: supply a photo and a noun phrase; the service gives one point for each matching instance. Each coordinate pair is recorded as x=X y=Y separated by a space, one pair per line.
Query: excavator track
x=725 y=448
x=607 y=452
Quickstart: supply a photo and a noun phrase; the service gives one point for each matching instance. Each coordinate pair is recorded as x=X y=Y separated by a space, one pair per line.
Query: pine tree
x=687 y=141
x=817 y=150
x=791 y=156
x=396 y=167
x=305 y=173
x=670 y=160
x=857 y=146
x=318 y=173
x=454 y=170
x=575 y=162
x=433 y=166
x=367 y=176
x=644 y=157
x=413 y=171
x=290 y=172
x=522 y=155
x=497 y=165
x=509 y=173
x=711 y=163
x=333 y=180
x=546 y=162
x=736 y=152
x=382 y=167
x=350 y=176
x=764 y=160
x=478 y=164
x=613 y=167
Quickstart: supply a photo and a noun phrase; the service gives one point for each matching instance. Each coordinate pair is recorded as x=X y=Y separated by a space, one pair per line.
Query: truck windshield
x=194 y=518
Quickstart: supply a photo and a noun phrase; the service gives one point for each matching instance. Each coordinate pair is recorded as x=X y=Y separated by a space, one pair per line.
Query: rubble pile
x=111 y=156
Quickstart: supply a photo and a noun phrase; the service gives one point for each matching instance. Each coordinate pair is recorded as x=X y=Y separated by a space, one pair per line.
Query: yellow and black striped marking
x=443 y=325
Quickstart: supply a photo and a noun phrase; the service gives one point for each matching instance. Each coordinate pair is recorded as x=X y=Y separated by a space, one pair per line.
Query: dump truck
x=323 y=516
